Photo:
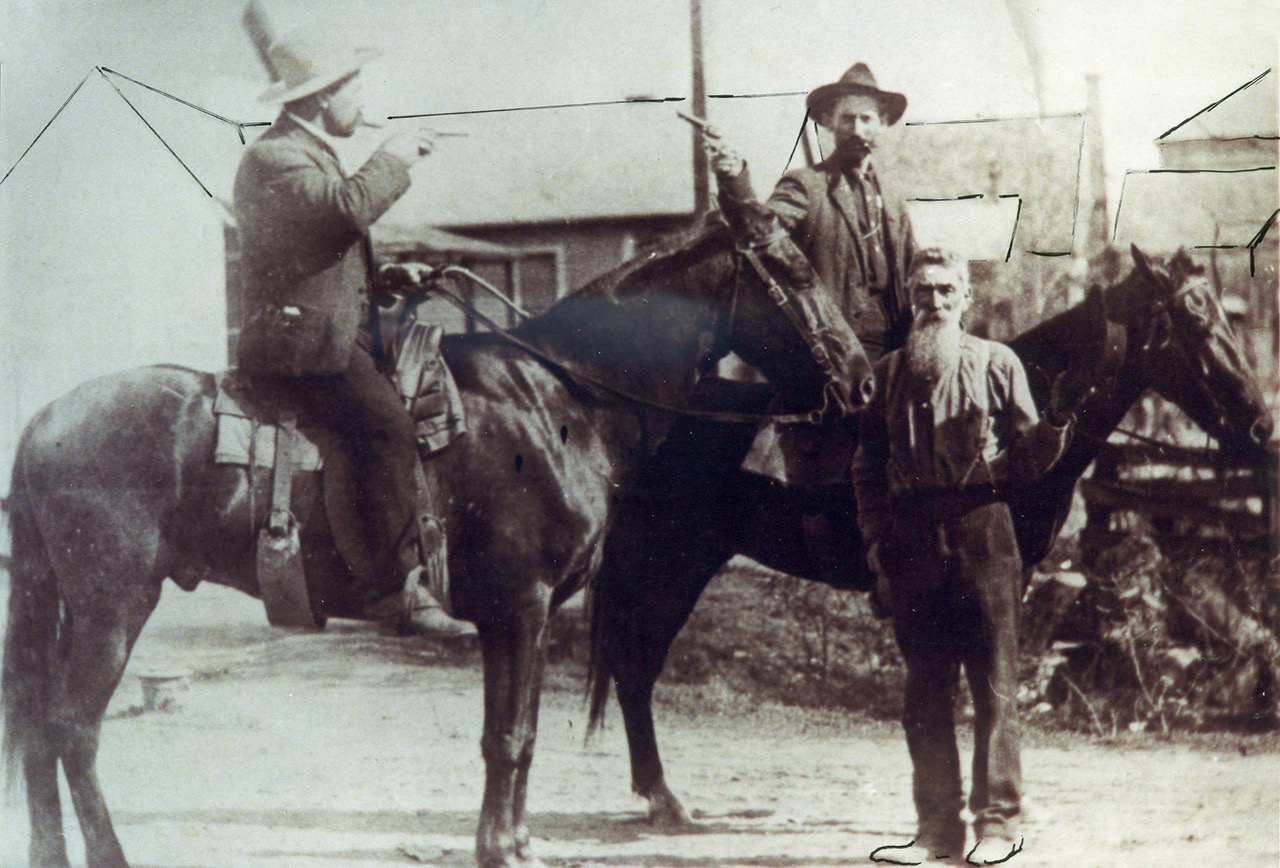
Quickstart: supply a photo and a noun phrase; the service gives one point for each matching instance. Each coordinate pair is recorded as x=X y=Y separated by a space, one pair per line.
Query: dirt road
x=352 y=748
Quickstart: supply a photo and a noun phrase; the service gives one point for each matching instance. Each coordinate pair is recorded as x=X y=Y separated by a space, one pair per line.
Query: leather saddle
x=257 y=428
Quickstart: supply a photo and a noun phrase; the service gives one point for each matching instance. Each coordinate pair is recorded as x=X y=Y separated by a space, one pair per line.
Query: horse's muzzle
x=1260 y=430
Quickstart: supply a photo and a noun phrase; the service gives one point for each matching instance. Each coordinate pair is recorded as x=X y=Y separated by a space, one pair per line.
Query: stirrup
x=431 y=572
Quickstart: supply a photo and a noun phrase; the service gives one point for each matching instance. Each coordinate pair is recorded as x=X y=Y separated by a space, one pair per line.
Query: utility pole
x=701 y=173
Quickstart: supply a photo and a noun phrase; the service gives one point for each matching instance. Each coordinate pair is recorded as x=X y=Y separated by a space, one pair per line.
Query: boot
x=421 y=614
x=426 y=593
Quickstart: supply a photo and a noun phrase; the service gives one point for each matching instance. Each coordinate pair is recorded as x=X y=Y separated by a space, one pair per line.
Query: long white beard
x=933 y=351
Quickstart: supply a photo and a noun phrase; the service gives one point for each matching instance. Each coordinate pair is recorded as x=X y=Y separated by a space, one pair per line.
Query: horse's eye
x=1199 y=311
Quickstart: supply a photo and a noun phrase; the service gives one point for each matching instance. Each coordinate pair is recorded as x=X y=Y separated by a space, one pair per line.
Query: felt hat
x=857 y=80
x=309 y=59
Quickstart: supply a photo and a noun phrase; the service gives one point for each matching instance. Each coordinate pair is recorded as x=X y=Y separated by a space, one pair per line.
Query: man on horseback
x=951 y=424
x=303 y=222
x=854 y=229
x=851 y=225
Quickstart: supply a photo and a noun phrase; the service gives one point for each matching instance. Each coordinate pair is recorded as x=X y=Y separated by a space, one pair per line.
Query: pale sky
x=111 y=256
x=1158 y=60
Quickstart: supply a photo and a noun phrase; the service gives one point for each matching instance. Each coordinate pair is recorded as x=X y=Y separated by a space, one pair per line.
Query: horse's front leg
x=519 y=797
x=512 y=645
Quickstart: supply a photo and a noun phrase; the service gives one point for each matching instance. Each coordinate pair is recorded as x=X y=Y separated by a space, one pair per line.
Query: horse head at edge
x=796 y=293
x=1193 y=355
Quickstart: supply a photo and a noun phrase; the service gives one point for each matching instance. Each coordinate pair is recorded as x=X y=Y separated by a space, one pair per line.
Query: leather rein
x=777 y=293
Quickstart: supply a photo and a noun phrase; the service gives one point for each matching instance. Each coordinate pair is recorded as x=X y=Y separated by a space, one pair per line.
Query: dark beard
x=933 y=351
x=849 y=155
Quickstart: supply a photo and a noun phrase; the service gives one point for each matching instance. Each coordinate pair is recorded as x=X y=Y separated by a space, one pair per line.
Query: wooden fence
x=1183 y=494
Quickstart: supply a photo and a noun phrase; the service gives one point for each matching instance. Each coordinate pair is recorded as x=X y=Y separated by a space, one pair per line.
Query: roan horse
x=114 y=489
x=1161 y=328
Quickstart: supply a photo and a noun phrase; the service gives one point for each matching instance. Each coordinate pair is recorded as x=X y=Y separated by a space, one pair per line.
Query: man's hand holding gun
x=725 y=161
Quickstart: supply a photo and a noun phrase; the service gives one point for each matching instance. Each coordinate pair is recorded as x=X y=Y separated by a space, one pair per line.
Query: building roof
x=392 y=239
x=1249 y=111
x=1033 y=160
x=1163 y=210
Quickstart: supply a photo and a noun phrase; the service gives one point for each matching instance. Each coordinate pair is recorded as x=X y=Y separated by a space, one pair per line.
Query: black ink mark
x=532 y=108
x=993 y=120
x=755 y=95
x=791 y=156
x=178 y=99
x=1257 y=239
x=153 y=131
x=1014 y=234
x=1014 y=851
x=48 y=124
x=906 y=846
x=1214 y=105
x=239 y=125
x=1200 y=171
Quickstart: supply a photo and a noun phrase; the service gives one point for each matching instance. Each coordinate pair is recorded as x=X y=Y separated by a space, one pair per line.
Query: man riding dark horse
x=854 y=227
x=303 y=222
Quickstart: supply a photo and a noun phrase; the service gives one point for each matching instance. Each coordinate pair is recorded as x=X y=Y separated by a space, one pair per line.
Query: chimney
x=1092 y=234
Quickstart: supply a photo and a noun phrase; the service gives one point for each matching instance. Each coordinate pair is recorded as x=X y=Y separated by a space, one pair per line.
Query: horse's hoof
x=666 y=812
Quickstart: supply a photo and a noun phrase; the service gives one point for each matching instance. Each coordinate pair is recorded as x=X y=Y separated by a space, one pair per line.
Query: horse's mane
x=667 y=254
x=1131 y=294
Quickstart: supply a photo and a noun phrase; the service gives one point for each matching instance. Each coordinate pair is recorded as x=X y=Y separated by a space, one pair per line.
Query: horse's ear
x=1144 y=264
x=1183 y=264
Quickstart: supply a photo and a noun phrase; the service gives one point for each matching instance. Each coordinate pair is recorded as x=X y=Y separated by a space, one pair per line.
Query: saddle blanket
x=246 y=441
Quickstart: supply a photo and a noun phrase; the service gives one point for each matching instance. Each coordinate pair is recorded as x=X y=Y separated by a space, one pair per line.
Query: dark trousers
x=953 y=584
x=362 y=406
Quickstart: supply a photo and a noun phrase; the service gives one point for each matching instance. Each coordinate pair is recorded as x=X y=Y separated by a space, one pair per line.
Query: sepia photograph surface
x=385 y=383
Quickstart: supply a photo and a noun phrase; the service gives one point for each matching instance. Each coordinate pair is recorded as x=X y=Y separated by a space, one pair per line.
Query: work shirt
x=977 y=427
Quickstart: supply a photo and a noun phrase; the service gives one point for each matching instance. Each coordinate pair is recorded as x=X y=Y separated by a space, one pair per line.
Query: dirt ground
x=354 y=748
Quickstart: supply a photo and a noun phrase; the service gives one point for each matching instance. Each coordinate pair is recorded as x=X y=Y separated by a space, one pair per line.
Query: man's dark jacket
x=305 y=251
x=816 y=204
x=817 y=207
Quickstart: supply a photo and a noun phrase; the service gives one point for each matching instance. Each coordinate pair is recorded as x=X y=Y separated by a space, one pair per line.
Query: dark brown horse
x=114 y=489
x=1161 y=328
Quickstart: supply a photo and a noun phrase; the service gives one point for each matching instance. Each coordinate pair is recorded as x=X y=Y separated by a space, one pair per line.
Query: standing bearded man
x=951 y=422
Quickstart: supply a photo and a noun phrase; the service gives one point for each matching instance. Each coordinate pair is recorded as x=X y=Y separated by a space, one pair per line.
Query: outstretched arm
x=1030 y=445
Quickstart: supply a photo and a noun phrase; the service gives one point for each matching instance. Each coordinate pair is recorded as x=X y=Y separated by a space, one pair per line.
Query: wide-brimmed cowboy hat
x=309 y=58
x=857 y=80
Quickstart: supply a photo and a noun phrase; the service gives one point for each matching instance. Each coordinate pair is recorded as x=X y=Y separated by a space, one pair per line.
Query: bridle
x=786 y=302
x=1160 y=335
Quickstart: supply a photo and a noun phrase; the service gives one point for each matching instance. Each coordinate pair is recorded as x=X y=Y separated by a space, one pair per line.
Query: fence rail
x=1164 y=484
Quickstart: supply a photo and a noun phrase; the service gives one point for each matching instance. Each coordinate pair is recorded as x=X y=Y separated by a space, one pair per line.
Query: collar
x=318 y=133
x=865 y=176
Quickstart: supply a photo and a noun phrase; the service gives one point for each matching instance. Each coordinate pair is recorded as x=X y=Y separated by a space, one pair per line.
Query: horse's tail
x=601 y=604
x=32 y=634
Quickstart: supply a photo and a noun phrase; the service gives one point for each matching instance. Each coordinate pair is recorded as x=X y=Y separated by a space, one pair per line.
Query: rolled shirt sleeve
x=1029 y=446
